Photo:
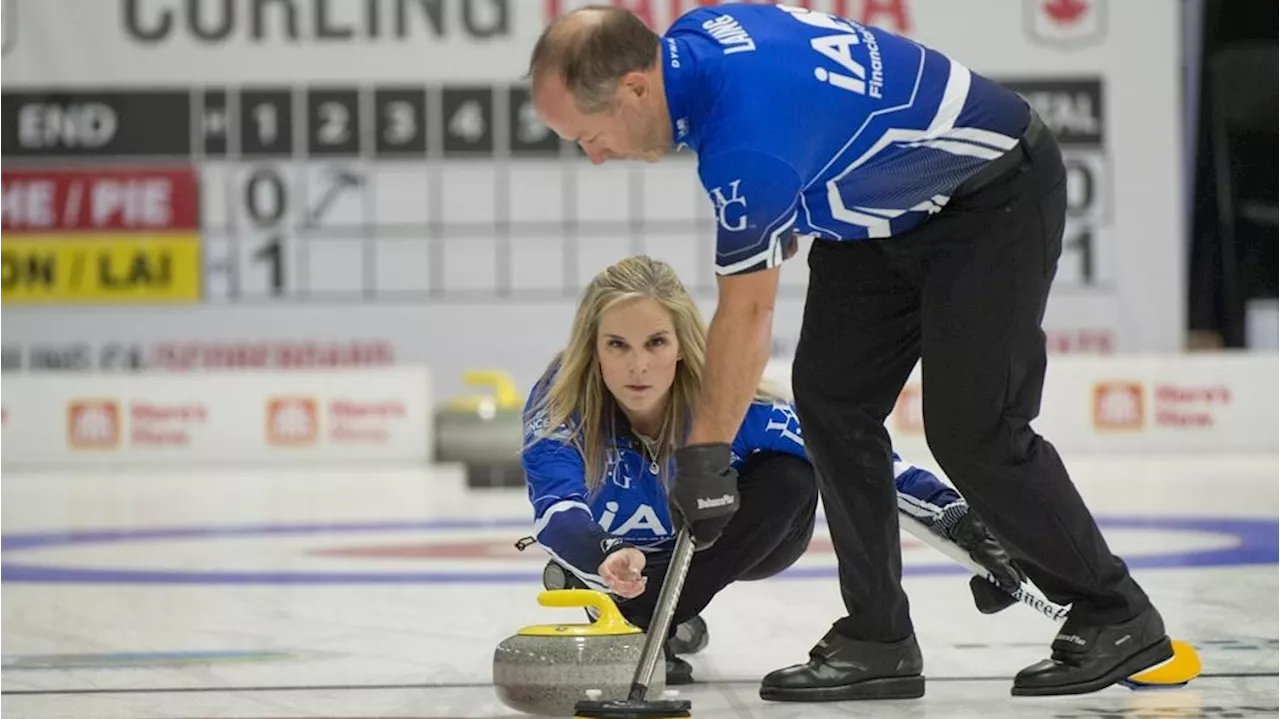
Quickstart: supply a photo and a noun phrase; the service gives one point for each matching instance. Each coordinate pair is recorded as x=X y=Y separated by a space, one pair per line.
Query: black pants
x=768 y=533
x=964 y=293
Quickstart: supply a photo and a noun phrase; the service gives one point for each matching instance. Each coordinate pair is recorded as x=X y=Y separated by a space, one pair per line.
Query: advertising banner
x=1134 y=404
x=382 y=414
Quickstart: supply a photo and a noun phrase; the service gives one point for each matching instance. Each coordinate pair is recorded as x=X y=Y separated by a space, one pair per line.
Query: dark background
x=1233 y=235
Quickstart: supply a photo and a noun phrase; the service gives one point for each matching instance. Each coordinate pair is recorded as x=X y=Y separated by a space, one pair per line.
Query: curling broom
x=1176 y=671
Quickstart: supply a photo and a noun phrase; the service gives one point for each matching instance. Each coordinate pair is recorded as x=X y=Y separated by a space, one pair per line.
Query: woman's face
x=638 y=351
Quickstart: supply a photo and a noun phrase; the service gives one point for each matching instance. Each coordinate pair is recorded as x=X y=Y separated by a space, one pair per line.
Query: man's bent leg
x=984 y=362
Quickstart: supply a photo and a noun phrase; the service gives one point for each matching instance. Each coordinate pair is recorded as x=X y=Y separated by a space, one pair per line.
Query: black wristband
x=612 y=544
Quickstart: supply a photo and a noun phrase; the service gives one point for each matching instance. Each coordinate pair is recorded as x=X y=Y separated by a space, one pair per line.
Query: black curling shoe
x=678 y=671
x=1087 y=658
x=841 y=669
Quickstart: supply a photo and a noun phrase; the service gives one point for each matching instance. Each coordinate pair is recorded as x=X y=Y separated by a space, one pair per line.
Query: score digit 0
x=265 y=201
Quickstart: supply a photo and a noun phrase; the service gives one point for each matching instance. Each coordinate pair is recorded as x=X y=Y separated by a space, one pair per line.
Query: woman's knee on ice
x=783 y=482
x=785 y=489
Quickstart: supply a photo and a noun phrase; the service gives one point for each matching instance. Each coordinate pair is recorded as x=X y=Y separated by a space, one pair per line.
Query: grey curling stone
x=483 y=433
x=547 y=669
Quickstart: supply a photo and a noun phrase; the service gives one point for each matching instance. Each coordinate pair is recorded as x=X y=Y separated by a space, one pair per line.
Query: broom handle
x=1024 y=593
x=663 y=613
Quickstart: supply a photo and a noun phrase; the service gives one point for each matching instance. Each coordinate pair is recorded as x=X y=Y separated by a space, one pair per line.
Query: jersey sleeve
x=755 y=198
x=920 y=493
x=769 y=427
x=564 y=525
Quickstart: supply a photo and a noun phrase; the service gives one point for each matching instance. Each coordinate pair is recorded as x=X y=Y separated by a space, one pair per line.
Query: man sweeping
x=935 y=199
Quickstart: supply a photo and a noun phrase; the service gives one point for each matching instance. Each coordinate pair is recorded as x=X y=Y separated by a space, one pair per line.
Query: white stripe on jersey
x=933 y=204
x=944 y=120
x=953 y=99
x=941 y=135
x=963 y=148
x=986 y=137
x=917 y=507
x=881 y=212
x=554 y=509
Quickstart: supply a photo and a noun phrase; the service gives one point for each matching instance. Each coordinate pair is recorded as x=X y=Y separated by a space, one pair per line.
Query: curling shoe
x=841 y=669
x=689 y=637
x=678 y=670
x=1086 y=658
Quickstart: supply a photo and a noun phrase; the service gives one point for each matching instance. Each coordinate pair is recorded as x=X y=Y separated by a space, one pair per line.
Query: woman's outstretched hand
x=621 y=572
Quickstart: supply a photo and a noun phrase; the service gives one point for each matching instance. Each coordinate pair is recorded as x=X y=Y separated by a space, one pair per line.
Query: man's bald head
x=590 y=50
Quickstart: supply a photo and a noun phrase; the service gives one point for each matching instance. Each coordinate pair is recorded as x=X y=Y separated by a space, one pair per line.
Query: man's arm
x=755 y=198
x=738 y=342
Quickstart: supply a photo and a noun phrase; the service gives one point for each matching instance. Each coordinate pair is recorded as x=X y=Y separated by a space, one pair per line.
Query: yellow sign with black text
x=80 y=269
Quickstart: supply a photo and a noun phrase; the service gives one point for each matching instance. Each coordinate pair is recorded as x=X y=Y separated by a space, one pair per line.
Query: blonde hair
x=578 y=398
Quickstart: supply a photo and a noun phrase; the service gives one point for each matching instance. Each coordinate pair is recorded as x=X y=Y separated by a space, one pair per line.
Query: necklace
x=651 y=448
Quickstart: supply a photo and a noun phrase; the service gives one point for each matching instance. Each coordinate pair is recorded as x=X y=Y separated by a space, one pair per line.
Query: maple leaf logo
x=1065 y=23
x=1065 y=12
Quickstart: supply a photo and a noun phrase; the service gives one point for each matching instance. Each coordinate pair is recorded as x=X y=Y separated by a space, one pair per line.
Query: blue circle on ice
x=1247 y=541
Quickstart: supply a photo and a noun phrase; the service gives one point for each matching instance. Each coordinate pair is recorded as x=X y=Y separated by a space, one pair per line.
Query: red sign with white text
x=100 y=200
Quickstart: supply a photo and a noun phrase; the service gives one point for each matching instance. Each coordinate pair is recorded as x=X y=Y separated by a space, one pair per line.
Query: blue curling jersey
x=805 y=123
x=577 y=527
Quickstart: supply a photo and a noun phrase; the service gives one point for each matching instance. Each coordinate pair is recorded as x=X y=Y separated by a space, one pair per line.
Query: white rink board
x=382 y=414
x=1215 y=403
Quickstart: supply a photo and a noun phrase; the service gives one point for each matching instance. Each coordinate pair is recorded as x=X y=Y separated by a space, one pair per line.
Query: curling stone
x=547 y=669
x=484 y=432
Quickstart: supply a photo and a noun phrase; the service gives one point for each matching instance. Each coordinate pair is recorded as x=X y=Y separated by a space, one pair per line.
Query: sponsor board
x=521 y=340
x=382 y=414
x=1221 y=403
x=1166 y=404
x=195 y=355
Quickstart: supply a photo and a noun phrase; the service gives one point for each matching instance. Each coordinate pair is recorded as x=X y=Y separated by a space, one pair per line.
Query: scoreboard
x=371 y=170
x=379 y=193
x=321 y=193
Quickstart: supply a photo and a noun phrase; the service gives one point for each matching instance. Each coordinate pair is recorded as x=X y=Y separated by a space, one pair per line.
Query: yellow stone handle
x=610 y=618
x=504 y=395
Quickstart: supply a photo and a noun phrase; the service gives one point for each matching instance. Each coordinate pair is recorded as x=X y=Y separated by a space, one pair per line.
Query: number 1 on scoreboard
x=271 y=255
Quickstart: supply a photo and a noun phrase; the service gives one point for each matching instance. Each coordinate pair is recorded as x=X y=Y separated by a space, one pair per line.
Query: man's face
x=634 y=127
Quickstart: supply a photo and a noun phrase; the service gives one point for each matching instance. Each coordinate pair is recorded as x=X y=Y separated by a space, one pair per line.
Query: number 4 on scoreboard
x=468 y=120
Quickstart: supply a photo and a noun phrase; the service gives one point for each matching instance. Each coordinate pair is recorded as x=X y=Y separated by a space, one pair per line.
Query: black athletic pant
x=768 y=533
x=965 y=293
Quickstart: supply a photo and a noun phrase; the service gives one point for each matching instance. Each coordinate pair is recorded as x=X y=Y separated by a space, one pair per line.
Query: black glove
x=962 y=526
x=704 y=495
